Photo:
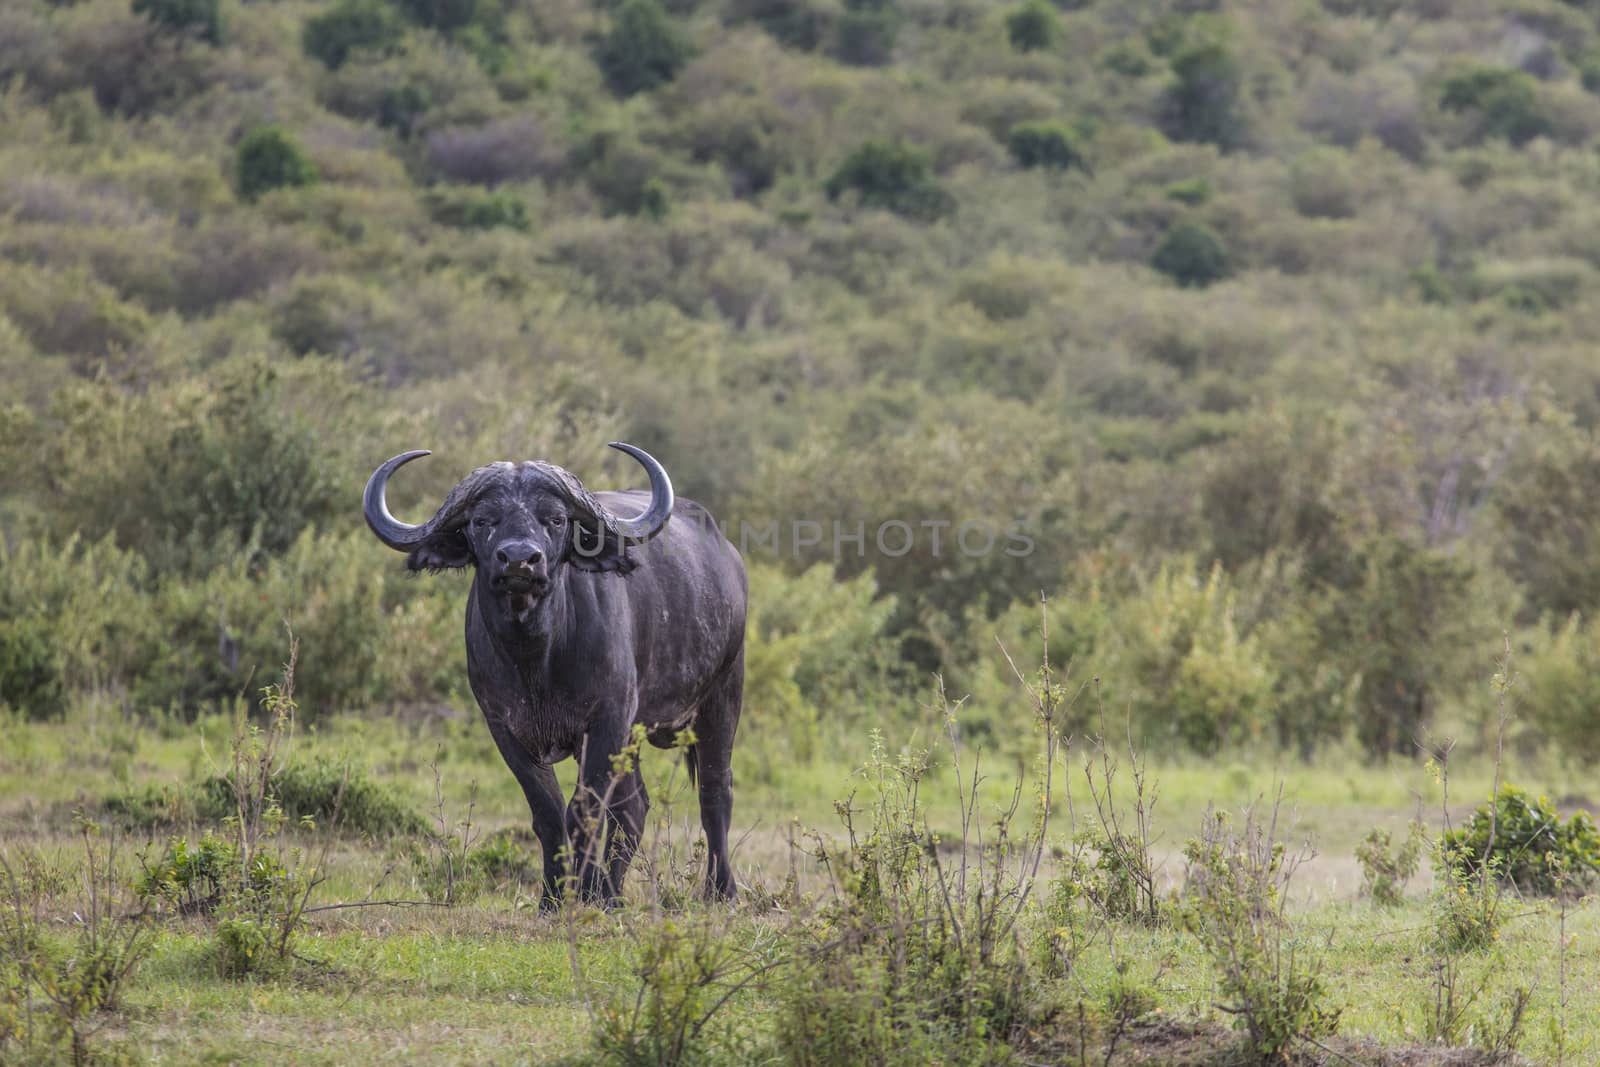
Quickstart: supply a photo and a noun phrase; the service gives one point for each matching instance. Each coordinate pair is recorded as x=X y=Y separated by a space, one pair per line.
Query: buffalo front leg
x=539 y=786
x=606 y=820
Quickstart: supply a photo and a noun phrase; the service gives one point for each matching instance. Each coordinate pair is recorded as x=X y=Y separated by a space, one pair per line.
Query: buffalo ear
x=446 y=550
x=588 y=552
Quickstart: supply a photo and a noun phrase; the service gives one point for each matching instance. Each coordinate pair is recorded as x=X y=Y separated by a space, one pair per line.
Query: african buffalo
x=577 y=630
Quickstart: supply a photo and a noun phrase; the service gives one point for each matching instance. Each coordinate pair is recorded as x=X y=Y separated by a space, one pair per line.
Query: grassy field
x=492 y=979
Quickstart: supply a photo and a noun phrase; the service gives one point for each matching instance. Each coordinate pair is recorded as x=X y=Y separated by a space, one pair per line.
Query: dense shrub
x=333 y=795
x=203 y=18
x=485 y=211
x=1192 y=255
x=1202 y=103
x=268 y=158
x=350 y=26
x=1322 y=185
x=1045 y=144
x=891 y=175
x=864 y=32
x=802 y=24
x=449 y=15
x=643 y=49
x=1505 y=102
x=73 y=619
x=515 y=148
x=1531 y=846
x=1033 y=27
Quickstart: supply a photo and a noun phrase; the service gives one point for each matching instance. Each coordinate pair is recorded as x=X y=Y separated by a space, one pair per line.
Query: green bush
x=892 y=175
x=203 y=18
x=1235 y=896
x=1176 y=659
x=1045 y=144
x=643 y=50
x=479 y=211
x=1033 y=27
x=1504 y=100
x=1527 y=844
x=191 y=877
x=802 y=24
x=268 y=158
x=1193 y=255
x=864 y=32
x=331 y=794
x=448 y=16
x=73 y=619
x=350 y=26
x=1322 y=185
x=1385 y=870
x=1202 y=103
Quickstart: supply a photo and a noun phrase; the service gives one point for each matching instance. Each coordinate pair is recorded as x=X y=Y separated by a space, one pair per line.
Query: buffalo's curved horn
x=643 y=527
x=375 y=505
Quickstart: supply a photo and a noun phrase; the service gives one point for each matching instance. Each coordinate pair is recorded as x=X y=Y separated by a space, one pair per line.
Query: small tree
x=349 y=26
x=268 y=158
x=1045 y=144
x=864 y=33
x=1504 y=99
x=1193 y=255
x=1203 y=100
x=892 y=175
x=1033 y=27
x=643 y=50
x=203 y=18
x=445 y=15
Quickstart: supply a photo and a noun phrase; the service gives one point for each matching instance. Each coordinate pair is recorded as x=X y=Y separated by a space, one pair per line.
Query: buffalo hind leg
x=714 y=728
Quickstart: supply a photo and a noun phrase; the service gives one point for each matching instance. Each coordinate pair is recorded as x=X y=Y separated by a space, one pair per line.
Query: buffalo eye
x=555 y=522
x=483 y=522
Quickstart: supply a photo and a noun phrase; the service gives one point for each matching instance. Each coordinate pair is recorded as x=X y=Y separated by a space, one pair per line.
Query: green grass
x=495 y=979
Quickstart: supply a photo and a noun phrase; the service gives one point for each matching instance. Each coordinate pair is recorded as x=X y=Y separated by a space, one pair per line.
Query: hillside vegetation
x=1267 y=325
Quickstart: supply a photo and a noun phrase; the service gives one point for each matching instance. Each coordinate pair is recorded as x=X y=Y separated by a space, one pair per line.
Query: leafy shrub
x=1531 y=846
x=486 y=211
x=350 y=26
x=243 y=947
x=864 y=32
x=1322 y=185
x=1175 y=657
x=644 y=48
x=330 y=794
x=891 y=175
x=54 y=990
x=191 y=878
x=815 y=648
x=1193 y=255
x=1505 y=101
x=1235 y=896
x=1033 y=27
x=70 y=616
x=1045 y=144
x=686 y=971
x=911 y=963
x=511 y=149
x=268 y=158
x=203 y=18
x=1385 y=872
x=1202 y=103
x=448 y=15
x=1465 y=909
x=802 y=24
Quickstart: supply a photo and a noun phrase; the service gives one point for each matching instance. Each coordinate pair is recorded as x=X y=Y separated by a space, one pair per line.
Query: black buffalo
x=576 y=631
